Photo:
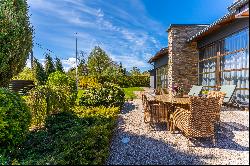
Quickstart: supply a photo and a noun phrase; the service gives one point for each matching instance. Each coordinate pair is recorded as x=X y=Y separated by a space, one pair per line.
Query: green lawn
x=129 y=92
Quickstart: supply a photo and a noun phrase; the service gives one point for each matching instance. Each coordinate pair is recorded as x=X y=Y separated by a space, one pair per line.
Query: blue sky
x=130 y=31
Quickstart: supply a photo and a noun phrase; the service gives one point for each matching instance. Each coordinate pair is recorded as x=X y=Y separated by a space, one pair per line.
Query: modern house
x=209 y=55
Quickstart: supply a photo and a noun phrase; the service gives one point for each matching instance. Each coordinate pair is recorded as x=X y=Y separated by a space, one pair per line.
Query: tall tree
x=135 y=71
x=39 y=72
x=59 y=66
x=82 y=66
x=49 y=65
x=121 y=69
x=98 y=61
x=15 y=38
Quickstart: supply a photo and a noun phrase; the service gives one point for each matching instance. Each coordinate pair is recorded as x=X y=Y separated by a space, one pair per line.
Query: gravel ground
x=136 y=143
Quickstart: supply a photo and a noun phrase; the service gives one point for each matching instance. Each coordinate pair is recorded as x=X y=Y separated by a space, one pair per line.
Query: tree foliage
x=135 y=71
x=26 y=74
x=15 y=38
x=39 y=73
x=49 y=65
x=59 y=66
x=98 y=61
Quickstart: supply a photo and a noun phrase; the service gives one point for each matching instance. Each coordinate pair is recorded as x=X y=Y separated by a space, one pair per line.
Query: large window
x=226 y=62
x=161 y=77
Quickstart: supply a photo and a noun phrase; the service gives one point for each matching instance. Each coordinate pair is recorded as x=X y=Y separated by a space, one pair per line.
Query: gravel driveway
x=136 y=143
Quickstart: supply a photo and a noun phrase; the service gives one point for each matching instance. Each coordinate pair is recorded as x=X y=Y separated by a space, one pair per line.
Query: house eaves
x=212 y=27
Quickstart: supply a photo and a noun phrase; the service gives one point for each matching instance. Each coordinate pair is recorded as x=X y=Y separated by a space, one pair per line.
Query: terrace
x=138 y=143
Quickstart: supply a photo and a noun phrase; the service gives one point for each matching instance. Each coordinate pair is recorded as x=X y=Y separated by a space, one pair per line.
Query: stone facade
x=183 y=56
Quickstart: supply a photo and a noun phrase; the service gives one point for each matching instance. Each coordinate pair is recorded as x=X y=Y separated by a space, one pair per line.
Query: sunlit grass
x=129 y=92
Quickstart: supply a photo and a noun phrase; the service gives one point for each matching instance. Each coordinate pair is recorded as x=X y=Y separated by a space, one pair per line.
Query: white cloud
x=122 y=32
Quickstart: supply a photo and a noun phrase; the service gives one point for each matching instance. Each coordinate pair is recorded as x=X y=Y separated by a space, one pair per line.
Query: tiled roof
x=237 y=4
x=185 y=25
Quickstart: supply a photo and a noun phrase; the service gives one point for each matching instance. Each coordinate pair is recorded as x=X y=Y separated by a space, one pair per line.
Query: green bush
x=77 y=138
x=15 y=119
x=26 y=74
x=88 y=81
x=107 y=95
x=37 y=102
x=64 y=90
x=58 y=95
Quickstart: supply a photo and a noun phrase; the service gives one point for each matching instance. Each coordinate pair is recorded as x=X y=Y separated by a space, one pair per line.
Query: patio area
x=137 y=143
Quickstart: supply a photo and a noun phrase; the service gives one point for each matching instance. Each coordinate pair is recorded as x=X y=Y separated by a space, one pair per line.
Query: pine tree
x=59 y=66
x=39 y=73
x=49 y=65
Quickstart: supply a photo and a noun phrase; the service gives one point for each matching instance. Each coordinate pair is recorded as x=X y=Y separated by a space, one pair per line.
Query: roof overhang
x=158 y=55
x=228 y=18
x=237 y=4
x=243 y=14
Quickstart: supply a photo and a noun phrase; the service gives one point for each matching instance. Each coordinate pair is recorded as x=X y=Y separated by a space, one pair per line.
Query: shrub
x=15 y=119
x=107 y=95
x=58 y=95
x=37 y=102
x=26 y=74
x=81 y=137
x=64 y=87
x=87 y=82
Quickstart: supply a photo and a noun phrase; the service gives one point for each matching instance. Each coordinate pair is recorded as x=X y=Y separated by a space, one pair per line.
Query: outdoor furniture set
x=194 y=115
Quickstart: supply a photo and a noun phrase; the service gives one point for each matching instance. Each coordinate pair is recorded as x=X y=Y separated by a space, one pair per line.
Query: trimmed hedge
x=122 y=81
x=126 y=81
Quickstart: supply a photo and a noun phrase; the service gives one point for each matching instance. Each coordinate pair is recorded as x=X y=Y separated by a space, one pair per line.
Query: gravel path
x=136 y=143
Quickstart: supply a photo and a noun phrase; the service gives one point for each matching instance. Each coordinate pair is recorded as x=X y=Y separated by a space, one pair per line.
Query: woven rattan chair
x=156 y=112
x=198 y=120
x=221 y=96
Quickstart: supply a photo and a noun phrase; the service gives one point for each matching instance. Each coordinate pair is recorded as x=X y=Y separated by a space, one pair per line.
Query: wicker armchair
x=156 y=112
x=198 y=120
x=221 y=96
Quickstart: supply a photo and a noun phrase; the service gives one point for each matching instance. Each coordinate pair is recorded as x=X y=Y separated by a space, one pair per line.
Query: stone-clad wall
x=183 y=56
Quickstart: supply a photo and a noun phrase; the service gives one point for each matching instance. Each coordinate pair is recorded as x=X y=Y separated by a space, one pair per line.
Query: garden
x=62 y=119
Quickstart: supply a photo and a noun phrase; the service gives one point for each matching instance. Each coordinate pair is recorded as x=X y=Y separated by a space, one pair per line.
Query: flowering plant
x=177 y=90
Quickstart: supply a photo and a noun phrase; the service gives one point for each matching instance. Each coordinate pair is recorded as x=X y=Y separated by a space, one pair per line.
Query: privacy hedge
x=126 y=81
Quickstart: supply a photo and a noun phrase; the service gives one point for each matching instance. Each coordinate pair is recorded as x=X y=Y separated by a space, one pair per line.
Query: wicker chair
x=198 y=120
x=221 y=96
x=156 y=112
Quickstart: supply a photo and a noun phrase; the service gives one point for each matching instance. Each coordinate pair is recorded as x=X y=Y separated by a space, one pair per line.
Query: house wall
x=152 y=78
x=233 y=27
x=161 y=61
x=157 y=64
x=183 y=57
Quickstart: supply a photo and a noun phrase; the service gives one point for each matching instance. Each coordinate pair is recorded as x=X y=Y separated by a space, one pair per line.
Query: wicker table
x=171 y=102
